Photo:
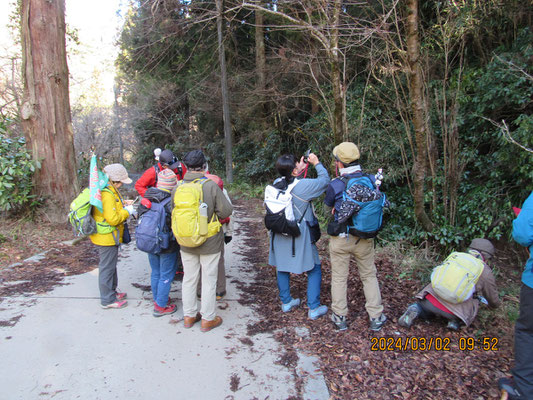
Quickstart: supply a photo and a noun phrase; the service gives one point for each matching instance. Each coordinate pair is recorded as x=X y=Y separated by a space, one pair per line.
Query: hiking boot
x=377 y=323
x=508 y=385
x=221 y=295
x=160 y=311
x=339 y=321
x=290 y=305
x=116 y=304
x=121 y=296
x=188 y=322
x=453 y=325
x=208 y=325
x=409 y=316
x=317 y=312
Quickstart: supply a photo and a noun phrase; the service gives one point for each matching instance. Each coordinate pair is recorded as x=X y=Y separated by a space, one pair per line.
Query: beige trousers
x=221 y=277
x=192 y=265
x=340 y=251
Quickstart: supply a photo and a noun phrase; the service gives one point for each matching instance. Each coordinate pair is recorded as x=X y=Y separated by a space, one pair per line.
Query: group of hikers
x=187 y=192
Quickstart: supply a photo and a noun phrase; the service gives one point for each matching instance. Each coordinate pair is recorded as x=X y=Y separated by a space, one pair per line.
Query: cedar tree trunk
x=45 y=109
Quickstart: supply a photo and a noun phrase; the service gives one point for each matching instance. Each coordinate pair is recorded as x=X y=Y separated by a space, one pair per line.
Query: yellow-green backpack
x=189 y=215
x=455 y=279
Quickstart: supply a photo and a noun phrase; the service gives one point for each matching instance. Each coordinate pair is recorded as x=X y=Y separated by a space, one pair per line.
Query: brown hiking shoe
x=208 y=325
x=188 y=322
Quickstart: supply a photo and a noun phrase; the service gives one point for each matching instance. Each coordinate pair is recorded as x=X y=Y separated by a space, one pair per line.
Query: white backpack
x=277 y=200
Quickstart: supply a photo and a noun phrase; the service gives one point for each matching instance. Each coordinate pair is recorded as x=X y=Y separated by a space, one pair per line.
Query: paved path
x=66 y=347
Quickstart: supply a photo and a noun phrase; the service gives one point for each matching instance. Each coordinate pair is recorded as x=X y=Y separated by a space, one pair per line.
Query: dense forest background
x=442 y=102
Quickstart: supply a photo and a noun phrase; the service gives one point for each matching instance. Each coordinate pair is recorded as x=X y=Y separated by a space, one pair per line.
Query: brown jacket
x=467 y=310
x=216 y=203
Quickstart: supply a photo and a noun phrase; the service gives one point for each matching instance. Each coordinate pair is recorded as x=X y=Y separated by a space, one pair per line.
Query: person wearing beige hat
x=430 y=304
x=343 y=245
x=109 y=235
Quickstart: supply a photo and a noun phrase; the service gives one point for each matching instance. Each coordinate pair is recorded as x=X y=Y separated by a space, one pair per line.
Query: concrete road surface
x=66 y=347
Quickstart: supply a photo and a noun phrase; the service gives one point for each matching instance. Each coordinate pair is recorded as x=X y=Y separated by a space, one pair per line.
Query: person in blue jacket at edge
x=521 y=386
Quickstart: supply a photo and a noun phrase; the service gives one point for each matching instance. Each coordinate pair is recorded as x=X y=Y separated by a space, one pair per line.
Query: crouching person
x=154 y=236
x=451 y=293
x=199 y=204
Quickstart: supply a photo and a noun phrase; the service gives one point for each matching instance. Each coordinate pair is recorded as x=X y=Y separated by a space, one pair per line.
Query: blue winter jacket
x=523 y=234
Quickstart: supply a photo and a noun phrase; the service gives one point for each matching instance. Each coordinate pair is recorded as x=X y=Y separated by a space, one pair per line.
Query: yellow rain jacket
x=114 y=214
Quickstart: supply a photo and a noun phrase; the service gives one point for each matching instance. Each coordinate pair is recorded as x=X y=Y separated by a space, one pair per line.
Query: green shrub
x=16 y=173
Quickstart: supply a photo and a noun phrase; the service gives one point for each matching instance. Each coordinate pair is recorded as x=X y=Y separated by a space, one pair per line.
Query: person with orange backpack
x=227 y=228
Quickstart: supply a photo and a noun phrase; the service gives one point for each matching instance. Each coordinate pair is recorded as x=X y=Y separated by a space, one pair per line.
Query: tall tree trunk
x=225 y=97
x=260 y=63
x=418 y=113
x=45 y=109
x=339 y=133
x=118 y=130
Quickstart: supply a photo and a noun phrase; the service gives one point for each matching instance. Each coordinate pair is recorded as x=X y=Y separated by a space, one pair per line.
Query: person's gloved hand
x=131 y=210
x=227 y=239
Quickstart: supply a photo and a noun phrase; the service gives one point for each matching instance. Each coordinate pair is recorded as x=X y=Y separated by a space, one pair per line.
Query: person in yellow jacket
x=110 y=230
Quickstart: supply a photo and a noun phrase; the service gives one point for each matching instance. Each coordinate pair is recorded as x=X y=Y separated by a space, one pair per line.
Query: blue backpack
x=152 y=234
x=368 y=221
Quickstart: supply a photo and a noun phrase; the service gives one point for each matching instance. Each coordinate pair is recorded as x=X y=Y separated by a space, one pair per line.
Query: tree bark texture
x=418 y=113
x=339 y=133
x=260 y=63
x=225 y=96
x=45 y=109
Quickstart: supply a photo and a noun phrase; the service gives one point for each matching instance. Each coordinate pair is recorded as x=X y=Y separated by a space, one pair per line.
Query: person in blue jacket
x=521 y=386
x=305 y=257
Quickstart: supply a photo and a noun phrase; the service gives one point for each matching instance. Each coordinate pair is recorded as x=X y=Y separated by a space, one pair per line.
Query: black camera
x=306 y=155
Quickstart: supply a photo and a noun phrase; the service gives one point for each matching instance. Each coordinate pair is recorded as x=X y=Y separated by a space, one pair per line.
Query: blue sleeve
x=309 y=189
x=329 y=200
x=523 y=224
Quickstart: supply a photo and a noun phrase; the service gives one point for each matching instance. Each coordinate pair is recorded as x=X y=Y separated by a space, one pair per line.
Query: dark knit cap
x=194 y=159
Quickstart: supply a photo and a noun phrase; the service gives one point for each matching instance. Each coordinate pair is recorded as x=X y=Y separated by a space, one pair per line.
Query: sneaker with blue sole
x=317 y=312
x=290 y=305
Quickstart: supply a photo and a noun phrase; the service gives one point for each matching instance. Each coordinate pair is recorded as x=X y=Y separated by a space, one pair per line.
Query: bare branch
x=507 y=134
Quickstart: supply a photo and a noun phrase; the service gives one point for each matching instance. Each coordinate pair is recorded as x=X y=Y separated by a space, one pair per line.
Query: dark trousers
x=429 y=311
x=107 y=274
x=523 y=344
